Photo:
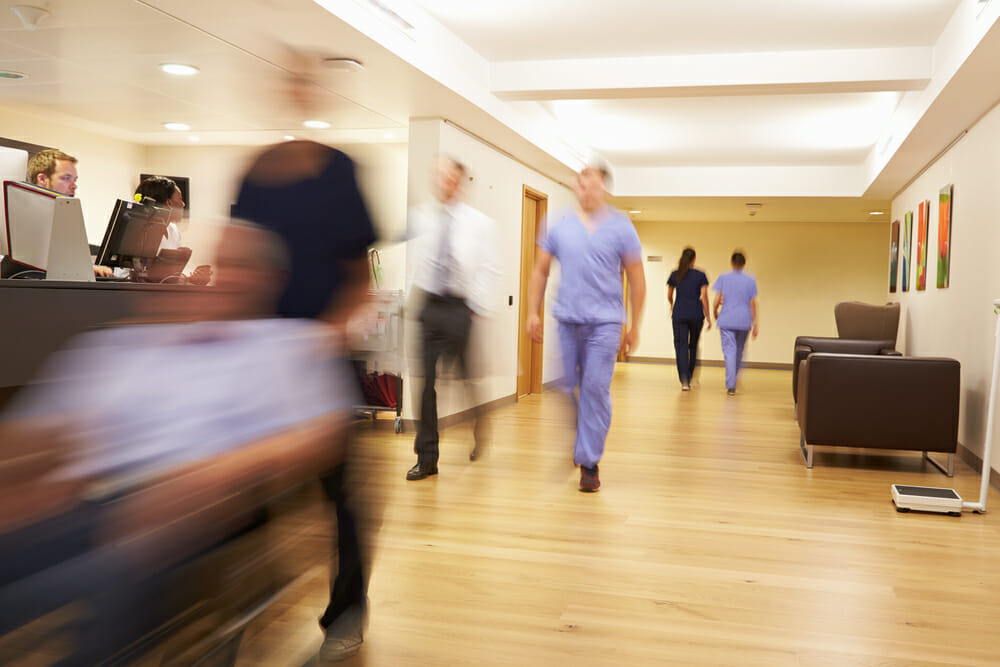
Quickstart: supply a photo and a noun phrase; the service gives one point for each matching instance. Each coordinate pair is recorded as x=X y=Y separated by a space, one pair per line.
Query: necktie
x=444 y=254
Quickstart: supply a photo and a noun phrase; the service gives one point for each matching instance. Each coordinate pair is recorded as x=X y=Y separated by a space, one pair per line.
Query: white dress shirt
x=172 y=241
x=473 y=249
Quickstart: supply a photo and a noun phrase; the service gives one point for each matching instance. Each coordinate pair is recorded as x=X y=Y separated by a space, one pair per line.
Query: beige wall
x=958 y=321
x=802 y=270
x=108 y=167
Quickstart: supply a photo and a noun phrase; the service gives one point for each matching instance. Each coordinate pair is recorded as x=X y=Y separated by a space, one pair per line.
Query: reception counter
x=37 y=317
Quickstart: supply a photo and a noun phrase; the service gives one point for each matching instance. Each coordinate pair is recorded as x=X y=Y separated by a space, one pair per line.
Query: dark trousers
x=686 y=335
x=446 y=323
x=348 y=587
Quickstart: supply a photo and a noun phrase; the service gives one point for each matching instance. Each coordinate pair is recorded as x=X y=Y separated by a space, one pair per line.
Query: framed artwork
x=894 y=255
x=944 y=235
x=907 y=235
x=923 y=215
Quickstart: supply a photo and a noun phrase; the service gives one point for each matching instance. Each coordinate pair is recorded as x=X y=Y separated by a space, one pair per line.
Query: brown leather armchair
x=806 y=345
x=865 y=321
x=879 y=402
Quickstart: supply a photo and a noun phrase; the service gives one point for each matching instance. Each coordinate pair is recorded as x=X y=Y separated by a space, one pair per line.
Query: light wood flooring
x=709 y=543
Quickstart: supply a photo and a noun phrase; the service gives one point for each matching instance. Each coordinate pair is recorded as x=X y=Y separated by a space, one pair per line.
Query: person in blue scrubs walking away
x=736 y=293
x=593 y=244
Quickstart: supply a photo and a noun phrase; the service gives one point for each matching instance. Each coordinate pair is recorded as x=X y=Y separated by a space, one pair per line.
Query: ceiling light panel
x=177 y=69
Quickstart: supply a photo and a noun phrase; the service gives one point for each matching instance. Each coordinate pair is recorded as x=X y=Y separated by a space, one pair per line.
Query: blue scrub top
x=737 y=289
x=591 y=263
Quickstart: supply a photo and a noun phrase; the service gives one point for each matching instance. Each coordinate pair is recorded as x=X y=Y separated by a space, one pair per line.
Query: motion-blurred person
x=197 y=423
x=687 y=313
x=54 y=170
x=736 y=294
x=306 y=192
x=592 y=244
x=454 y=276
x=164 y=191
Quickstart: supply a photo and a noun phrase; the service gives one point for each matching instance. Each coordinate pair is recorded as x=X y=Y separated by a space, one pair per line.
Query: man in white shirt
x=456 y=270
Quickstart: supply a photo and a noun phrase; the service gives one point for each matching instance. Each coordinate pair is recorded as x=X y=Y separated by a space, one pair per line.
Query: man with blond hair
x=54 y=170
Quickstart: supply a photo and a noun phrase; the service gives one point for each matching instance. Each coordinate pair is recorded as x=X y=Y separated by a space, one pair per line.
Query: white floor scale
x=947 y=501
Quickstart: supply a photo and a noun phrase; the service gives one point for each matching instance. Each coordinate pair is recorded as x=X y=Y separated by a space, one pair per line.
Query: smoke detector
x=30 y=15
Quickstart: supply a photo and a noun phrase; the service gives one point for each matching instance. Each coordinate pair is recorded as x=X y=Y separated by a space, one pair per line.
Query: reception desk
x=37 y=317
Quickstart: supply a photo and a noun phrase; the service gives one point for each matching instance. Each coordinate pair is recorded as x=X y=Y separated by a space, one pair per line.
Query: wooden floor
x=709 y=543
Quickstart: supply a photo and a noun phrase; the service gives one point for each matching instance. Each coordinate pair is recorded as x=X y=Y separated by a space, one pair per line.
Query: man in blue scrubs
x=593 y=244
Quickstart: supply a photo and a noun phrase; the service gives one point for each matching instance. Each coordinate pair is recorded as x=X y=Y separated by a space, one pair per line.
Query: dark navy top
x=323 y=221
x=687 y=294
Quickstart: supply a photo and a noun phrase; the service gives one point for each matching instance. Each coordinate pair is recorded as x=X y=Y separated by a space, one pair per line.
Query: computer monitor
x=13 y=166
x=133 y=236
x=44 y=231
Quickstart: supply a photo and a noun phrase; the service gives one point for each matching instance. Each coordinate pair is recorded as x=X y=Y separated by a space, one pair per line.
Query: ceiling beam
x=838 y=71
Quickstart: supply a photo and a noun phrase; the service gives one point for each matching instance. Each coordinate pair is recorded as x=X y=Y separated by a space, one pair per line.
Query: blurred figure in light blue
x=736 y=295
x=594 y=245
x=141 y=446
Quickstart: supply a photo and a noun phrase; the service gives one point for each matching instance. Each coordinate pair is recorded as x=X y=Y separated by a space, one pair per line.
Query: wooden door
x=529 y=353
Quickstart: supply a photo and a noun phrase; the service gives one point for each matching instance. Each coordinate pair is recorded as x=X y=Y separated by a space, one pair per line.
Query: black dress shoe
x=421 y=470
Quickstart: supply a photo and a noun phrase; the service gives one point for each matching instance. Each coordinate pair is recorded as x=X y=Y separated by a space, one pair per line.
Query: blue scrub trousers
x=588 y=353
x=733 y=342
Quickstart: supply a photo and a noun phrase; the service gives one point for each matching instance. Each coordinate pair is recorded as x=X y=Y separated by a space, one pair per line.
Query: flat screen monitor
x=13 y=165
x=133 y=235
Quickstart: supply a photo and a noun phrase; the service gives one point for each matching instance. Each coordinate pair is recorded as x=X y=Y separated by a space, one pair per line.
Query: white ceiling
x=836 y=128
x=558 y=29
x=853 y=96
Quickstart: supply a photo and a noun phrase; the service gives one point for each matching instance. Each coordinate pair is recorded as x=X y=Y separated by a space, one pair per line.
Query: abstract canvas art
x=923 y=215
x=894 y=255
x=907 y=235
x=944 y=235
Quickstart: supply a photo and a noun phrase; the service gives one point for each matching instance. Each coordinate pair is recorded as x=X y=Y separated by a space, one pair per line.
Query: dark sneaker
x=421 y=471
x=589 y=481
x=731 y=392
x=685 y=387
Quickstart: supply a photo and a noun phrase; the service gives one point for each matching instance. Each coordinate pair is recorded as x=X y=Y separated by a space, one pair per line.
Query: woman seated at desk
x=165 y=192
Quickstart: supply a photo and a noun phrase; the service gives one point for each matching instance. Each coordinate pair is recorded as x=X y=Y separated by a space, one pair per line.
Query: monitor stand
x=69 y=252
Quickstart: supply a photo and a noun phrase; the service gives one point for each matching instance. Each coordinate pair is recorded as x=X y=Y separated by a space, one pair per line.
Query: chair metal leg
x=807 y=451
x=948 y=470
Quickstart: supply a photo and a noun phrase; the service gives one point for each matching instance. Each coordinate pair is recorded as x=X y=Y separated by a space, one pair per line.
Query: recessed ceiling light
x=289 y=137
x=194 y=138
x=8 y=74
x=634 y=212
x=343 y=64
x=876 y=212
x=177 y=127
x=317 y=124
x=178 y=69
